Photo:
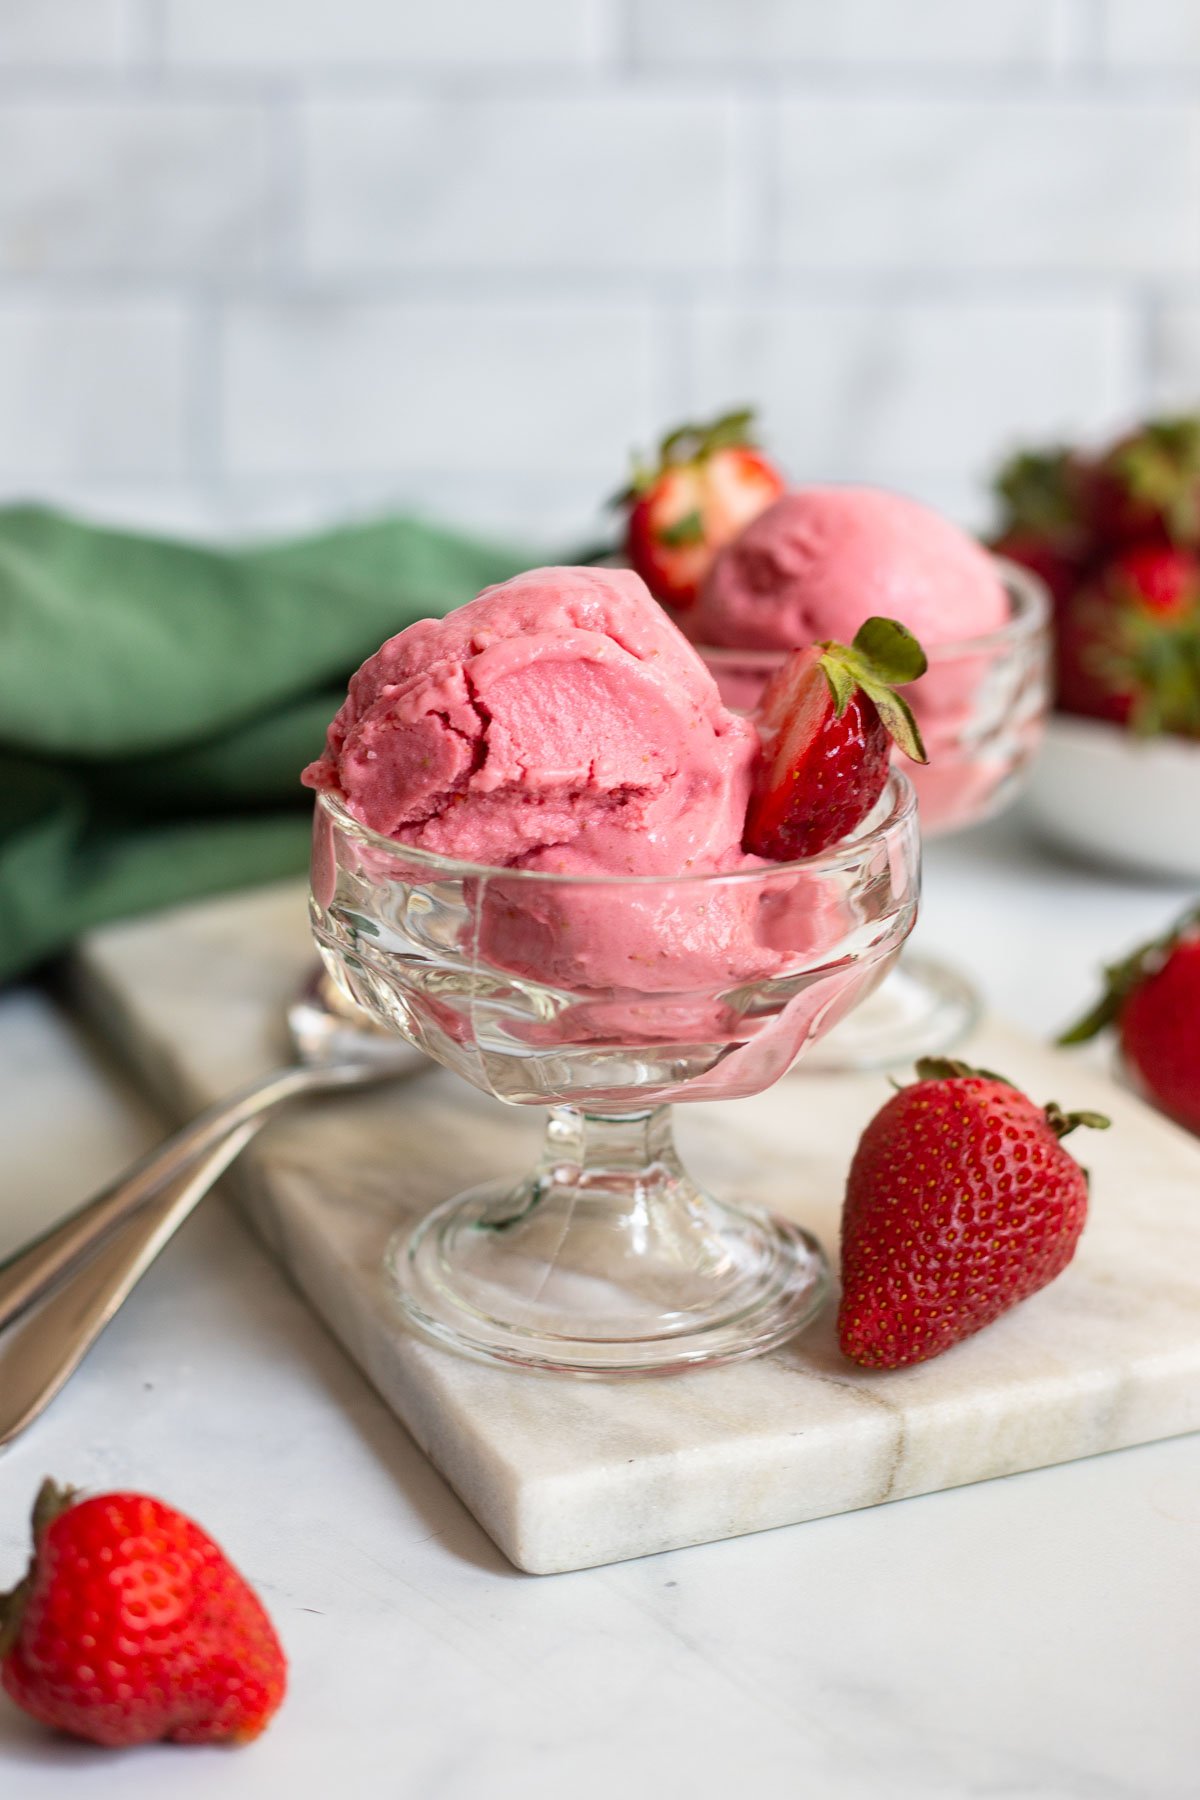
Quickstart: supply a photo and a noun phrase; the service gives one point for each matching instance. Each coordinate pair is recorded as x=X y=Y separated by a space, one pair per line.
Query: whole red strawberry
x=1129 y=642
x=131 y=1626
x=828 y=718
x=1061 y=571
x=709 y=481
x=960 y=1202
x=1153 y=999
x=1146 y=487
x=1043 y=526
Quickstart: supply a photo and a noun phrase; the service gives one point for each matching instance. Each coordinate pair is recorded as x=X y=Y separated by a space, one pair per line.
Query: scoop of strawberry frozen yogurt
x=821 y=560
x=559 y=722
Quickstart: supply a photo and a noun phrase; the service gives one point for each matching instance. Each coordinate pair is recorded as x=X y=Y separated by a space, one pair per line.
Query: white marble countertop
x=1029 y=1639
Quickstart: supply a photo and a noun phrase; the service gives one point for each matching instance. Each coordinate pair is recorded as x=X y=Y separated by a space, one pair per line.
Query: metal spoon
x=42 y=1351
x=90 y=1264
x=336 y=1046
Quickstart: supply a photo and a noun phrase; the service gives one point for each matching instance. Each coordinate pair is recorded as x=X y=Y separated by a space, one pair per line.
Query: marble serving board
x=566 y=1474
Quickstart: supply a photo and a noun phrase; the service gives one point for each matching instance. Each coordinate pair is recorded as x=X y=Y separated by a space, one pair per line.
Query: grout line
x=145 y=35
x=1080 y=83
x=1088 y=27
x=291 y=177
x=205 y=447
x=672 y=362
x=617 y=33
x=586 y=291
x=591 y=292
x=755 y=171
x=1146 y=318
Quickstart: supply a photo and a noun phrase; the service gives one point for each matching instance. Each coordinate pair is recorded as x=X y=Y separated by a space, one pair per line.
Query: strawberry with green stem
x=1146 y=487
x=960 y=1202
x=707 y=483
x=1043 y=526
x=131 y=1625
x=1129 y=642
x=1152 y=999
x=828 y=720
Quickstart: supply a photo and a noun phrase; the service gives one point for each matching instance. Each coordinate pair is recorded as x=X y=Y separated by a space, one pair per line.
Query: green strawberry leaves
x=884 y=656
x=1038 y=488
x=946 y=1068
x=1062 y=1124
x=890 y=650
x=1121 y=978
x=689 y=443
x=51 y=1500
x=1160 y=467
x=949 y=1068
x=1156 y=660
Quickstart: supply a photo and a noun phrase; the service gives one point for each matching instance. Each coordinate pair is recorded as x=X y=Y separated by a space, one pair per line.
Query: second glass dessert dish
x=605 y=999
x=982 y=708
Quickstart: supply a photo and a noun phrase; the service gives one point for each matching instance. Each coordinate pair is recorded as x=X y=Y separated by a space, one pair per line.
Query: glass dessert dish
x=982 y=709
x=605 y=999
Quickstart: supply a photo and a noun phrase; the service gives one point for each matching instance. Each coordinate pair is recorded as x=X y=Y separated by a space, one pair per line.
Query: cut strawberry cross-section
x=709 y=481
x=828 y=719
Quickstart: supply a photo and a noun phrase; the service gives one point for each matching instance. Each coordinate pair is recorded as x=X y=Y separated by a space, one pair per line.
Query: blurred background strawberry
x=1115 y=535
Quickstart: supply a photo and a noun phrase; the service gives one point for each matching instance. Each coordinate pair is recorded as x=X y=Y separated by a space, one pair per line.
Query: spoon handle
x=42 y=1353
x=36 y=1268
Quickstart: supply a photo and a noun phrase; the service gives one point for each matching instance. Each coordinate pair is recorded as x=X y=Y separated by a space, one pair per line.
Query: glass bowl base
x=922 y=1008
x=606 y=1271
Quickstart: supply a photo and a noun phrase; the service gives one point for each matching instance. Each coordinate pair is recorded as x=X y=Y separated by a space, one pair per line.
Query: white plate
x=1120 y=799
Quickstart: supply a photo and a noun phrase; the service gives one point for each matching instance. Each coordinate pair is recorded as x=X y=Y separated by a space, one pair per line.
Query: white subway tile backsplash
x=318 y=35
x=533 y=390
x=1151 y=34
x=92 y=388
x=619 y=181
x=1078 y=186
x=1175 y=357
x=916 y=33
x=265 y=261
x=37 y=34
x=921 y=391
x=146 y=186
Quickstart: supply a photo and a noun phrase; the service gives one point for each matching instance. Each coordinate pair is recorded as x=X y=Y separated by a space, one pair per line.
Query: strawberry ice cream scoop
x=821 y=560
x=559 y=721
x=560 y=724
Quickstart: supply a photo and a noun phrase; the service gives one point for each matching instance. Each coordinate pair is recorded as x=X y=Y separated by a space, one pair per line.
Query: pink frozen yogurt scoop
x=561 y=724
x=821 y=560
x=815 y=565
x=559 y=721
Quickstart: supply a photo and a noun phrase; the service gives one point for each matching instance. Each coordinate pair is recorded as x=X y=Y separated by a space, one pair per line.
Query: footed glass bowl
x=982 y=707
x=605 y=999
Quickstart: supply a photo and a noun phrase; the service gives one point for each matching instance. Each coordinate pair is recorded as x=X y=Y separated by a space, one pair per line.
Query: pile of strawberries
x=1115 y=535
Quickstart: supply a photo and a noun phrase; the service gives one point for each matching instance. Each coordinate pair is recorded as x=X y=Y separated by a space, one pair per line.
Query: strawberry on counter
x=961 y=1201
x=131 y=1626
x=1152 y=998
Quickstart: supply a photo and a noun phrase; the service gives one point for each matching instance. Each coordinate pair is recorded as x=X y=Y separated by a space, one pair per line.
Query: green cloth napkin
x=159 y=699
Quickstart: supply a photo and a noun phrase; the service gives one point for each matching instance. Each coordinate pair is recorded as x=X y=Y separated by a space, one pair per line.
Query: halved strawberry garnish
x=828 y=719
x=709 y=482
